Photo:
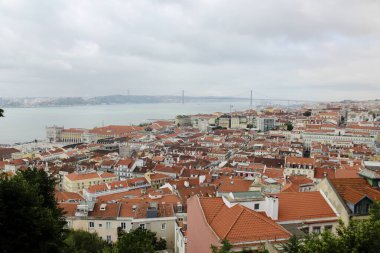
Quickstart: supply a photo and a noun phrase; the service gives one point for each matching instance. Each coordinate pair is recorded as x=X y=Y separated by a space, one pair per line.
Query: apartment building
x=265 y=123
x=299 y=166
x=106 y=219
x=77 y=181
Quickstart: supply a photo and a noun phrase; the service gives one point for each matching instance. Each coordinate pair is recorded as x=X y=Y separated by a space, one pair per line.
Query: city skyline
x=287 y=50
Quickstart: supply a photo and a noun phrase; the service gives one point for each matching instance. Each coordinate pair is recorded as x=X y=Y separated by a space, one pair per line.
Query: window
x=305 y=230
x=317 y=230
x=366 y=208
x=328 y=228
x=108 y=224
x=108 y=238
x=257 y=206
x=123 y=225
x=91 y=224
x=100 y=225
x=163 y=226
x=142 y=226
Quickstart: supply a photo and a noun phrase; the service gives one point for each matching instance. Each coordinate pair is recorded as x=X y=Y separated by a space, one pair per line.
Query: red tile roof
x=299 y=160
x=239 y=224
x=234 y=185
x=303 y=206
x=78 y=176
x=65 y=196
x=295 y=182
x=350 y=188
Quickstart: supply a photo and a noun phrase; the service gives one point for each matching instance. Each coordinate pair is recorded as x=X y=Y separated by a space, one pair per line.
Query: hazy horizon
x=299 y=49
x=246 y=98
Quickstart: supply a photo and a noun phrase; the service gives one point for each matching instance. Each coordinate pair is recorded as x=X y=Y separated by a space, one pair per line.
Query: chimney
x=202 y=178
x=272 y=204
x=179 y=207
x=103 y=207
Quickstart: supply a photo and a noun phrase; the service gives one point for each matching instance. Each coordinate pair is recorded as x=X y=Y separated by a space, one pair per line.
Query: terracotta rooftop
x=69 y=209
x=77 y=176
x=274 y=173
x=84 y=176
x=239 y=224
x=350 y=189
x=66 y=196
x=125 y=162
x=234 y=185
x=299 y=160
x=303 y=206
x=111 y=211
x=295 y=182
x=158 y=176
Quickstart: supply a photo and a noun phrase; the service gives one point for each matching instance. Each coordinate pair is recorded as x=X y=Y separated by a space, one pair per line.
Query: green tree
x=139 y=240
x=289 y=126
x=325 y=242
x=1 y=112
x=361 y=236
x=29 y=220
x=45 y=187
x=307 y=114
x=79 y=241
x=225 y=248
x=293 y=245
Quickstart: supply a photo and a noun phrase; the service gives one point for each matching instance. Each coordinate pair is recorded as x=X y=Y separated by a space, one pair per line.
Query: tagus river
x=27 y=124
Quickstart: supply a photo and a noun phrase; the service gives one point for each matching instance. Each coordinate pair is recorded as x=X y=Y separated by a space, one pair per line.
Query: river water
x=27 y=124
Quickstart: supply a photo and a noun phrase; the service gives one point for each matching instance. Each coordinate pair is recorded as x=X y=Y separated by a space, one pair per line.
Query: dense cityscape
x=191 y=126
x=251 y=178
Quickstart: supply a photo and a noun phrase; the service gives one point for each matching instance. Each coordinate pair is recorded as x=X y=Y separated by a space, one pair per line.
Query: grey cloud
x=281 y=49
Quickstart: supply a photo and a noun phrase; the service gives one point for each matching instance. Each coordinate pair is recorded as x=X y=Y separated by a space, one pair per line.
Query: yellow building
x=156 y=180
x=72 y=135
x=75 y=181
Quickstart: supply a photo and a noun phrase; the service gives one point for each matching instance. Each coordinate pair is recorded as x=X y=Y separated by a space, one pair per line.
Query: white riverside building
x=336 y=136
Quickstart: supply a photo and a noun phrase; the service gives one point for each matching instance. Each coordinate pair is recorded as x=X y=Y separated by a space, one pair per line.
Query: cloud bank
x=300 y=49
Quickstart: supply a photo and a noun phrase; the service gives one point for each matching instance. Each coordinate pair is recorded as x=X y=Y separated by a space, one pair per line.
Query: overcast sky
x=317 y=50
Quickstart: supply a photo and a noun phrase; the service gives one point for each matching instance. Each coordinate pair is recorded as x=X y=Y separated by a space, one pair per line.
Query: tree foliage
x=361 y=236
x=79 y=241
x=140 y=240
x=293 y=245
x=289 y=126
x=30 y=220
x=307 y=114
x=1 y=112
x=226 y=248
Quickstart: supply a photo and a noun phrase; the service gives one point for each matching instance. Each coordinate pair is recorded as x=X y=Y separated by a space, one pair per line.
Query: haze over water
x=27 y=124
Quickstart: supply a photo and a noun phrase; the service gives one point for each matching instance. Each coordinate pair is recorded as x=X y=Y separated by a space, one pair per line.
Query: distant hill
x=111 y=99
